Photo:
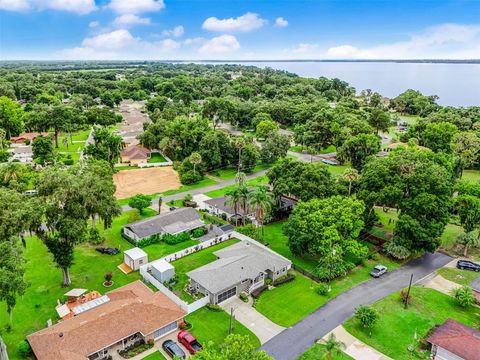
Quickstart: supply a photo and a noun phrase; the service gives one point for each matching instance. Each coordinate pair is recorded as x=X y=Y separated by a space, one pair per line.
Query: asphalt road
x=294 y=341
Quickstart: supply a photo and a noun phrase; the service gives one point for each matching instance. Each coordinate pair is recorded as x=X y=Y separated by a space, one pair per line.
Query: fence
x=3 y=350
x=189 y=308
x=169 y=162
x=306 y=273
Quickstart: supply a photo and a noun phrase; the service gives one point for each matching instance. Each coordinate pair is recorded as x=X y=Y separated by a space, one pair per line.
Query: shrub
x=268 y=281
x=133 y=216
x=196 y=233
x=213 y=307
x=68 y=161
x=283 y=279
x=374 y=256
x=190 y=177
x=94 y=237
x=224 y=216
x=175 y=239
x=404 y=294
x=366 y=315
x=140 y=202
x=258 y=291
x=322 y=289
x=154 y=239
x=464 y=296
x=249 y=230
x=244 y=296
x=108 y=278
x=329 y=269
x=396 y=251
x=24 y=349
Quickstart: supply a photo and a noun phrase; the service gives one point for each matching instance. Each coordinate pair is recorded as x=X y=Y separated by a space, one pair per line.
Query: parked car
x=189 y=341
x=378 y=271
x=172 y=349
x=108 y=251
x=172 y=208
x=468 y=265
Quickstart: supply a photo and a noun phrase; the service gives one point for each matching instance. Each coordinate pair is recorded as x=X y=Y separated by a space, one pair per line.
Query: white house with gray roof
x=240 y=267
x=172 y=223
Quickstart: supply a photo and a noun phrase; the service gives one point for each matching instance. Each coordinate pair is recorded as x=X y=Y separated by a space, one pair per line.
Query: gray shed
x=162 y=270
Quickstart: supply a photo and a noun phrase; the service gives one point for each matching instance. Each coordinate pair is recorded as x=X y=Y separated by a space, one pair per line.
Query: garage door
x=226 y=294
x=164 y=330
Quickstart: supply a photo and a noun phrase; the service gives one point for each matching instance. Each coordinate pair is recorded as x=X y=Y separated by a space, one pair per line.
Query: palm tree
x=3 y=134
x=195 y=159
x=232 y=199
x=240 y=178
x=160 y=201
x=239 y=144
x=332 y=345
x=262 y=200
x=244 y=193
x=350 y=175
x=12 y=171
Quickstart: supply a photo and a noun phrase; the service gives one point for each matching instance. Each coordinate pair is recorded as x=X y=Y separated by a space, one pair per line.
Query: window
x=140 y=261
x=226 y=294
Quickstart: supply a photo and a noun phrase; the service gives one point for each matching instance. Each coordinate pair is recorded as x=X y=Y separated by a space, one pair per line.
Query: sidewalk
x=354 y=347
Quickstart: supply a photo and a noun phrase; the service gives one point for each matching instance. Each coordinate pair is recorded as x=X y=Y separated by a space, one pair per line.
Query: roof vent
x=60 y=334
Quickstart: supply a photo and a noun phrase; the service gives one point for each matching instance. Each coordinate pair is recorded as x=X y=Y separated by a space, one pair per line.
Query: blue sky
x=239 y=29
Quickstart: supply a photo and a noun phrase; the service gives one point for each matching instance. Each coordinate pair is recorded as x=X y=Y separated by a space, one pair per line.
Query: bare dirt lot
x=145 y=181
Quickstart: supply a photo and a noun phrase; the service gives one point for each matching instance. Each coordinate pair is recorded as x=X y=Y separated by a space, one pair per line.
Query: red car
x=189 y=341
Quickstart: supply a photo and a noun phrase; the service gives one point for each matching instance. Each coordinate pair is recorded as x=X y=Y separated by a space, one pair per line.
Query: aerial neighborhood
x=313 y=207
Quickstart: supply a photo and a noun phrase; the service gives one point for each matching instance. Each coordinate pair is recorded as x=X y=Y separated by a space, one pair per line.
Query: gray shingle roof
x=221 y=204
x=173 y=222
x=236 y=263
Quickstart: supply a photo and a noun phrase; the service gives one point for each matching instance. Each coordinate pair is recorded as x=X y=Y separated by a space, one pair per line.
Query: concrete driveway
x=262 y=327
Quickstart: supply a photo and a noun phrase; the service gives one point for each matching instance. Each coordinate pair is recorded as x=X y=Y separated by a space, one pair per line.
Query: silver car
x=378 y=271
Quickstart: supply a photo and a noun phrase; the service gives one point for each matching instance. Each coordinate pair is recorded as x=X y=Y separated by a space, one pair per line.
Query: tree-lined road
x=294 y=341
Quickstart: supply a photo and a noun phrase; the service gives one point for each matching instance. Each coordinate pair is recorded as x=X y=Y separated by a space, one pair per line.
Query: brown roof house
x=454 y=341
x=135 y=155
x=30 y=136
x=125 y=315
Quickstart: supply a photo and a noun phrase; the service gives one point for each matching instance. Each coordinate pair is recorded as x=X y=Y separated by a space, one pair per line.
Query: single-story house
x=219 y=206
x=30 y=136
x=239 y=267
x=475 y=284
x=454 y=341
x=134 y=258
x=162 y=270
x=135 y=155
x=133 y=312
x=172 y=223
x=23 y=153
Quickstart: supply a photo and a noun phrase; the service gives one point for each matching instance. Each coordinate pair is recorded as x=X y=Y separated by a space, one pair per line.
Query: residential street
x=295 y=340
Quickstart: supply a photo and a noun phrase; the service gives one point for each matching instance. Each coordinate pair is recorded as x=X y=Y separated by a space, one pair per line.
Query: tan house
x=130 y=313
x=135 y=155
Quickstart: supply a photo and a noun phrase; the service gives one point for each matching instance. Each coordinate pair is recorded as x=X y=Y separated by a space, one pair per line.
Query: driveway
x=295 y=340
x=262 y=327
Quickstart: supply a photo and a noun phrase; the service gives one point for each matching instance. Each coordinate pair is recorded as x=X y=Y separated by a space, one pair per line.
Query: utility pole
x=408 y=292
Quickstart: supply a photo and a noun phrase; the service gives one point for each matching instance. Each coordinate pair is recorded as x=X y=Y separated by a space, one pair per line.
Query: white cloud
x=77 y=6
x=220 y=44
x=135 y=6
x=303 y=48
x=446 y=41
x=112 y=40
x=177 y=31
x=93 y=24
x=245 y=23
x=195 y=41
x=85 y=53
x=281 y=22
x=130 y=19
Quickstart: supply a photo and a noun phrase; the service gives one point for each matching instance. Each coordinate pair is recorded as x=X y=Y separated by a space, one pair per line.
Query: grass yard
x=462 y=277
x=394 y=331
x=157 y=355
x=336 y=170
x=211 y=327
x=261 y=180
x=194 y=261
x=38 y=304
x=328 y=149
x=318 y=351
x=156 y=158
x=471 y=175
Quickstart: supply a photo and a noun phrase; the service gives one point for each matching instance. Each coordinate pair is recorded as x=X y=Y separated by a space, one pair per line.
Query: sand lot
x=145 y=181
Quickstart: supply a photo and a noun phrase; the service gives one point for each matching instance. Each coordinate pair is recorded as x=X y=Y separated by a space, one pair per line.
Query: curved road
x=294 y=341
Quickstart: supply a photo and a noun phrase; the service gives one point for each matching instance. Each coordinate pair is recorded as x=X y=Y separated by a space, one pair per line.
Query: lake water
x=455 y=84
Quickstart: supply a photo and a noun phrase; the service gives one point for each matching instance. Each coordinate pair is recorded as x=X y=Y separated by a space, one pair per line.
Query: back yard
x=395 y=329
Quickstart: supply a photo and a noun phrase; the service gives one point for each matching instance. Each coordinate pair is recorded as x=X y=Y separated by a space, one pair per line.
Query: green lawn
x=194 y=261
x=328 y=149
x=395 y=329
x=462 y=277
x=471 y=175
x=337 y=170
x=318 y=351
x=227 y=174
x=261 y=180
x=157 y=355
x=38 y=304
x=156 y=158
x=211 y=327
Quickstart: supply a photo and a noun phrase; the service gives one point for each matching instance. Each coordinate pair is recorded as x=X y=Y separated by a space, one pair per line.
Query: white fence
x=3 y=350
x=195 y=248
x=189 y=308
x=169 y=162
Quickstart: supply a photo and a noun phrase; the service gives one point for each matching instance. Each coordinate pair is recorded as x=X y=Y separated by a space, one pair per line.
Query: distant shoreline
x=142 y=62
